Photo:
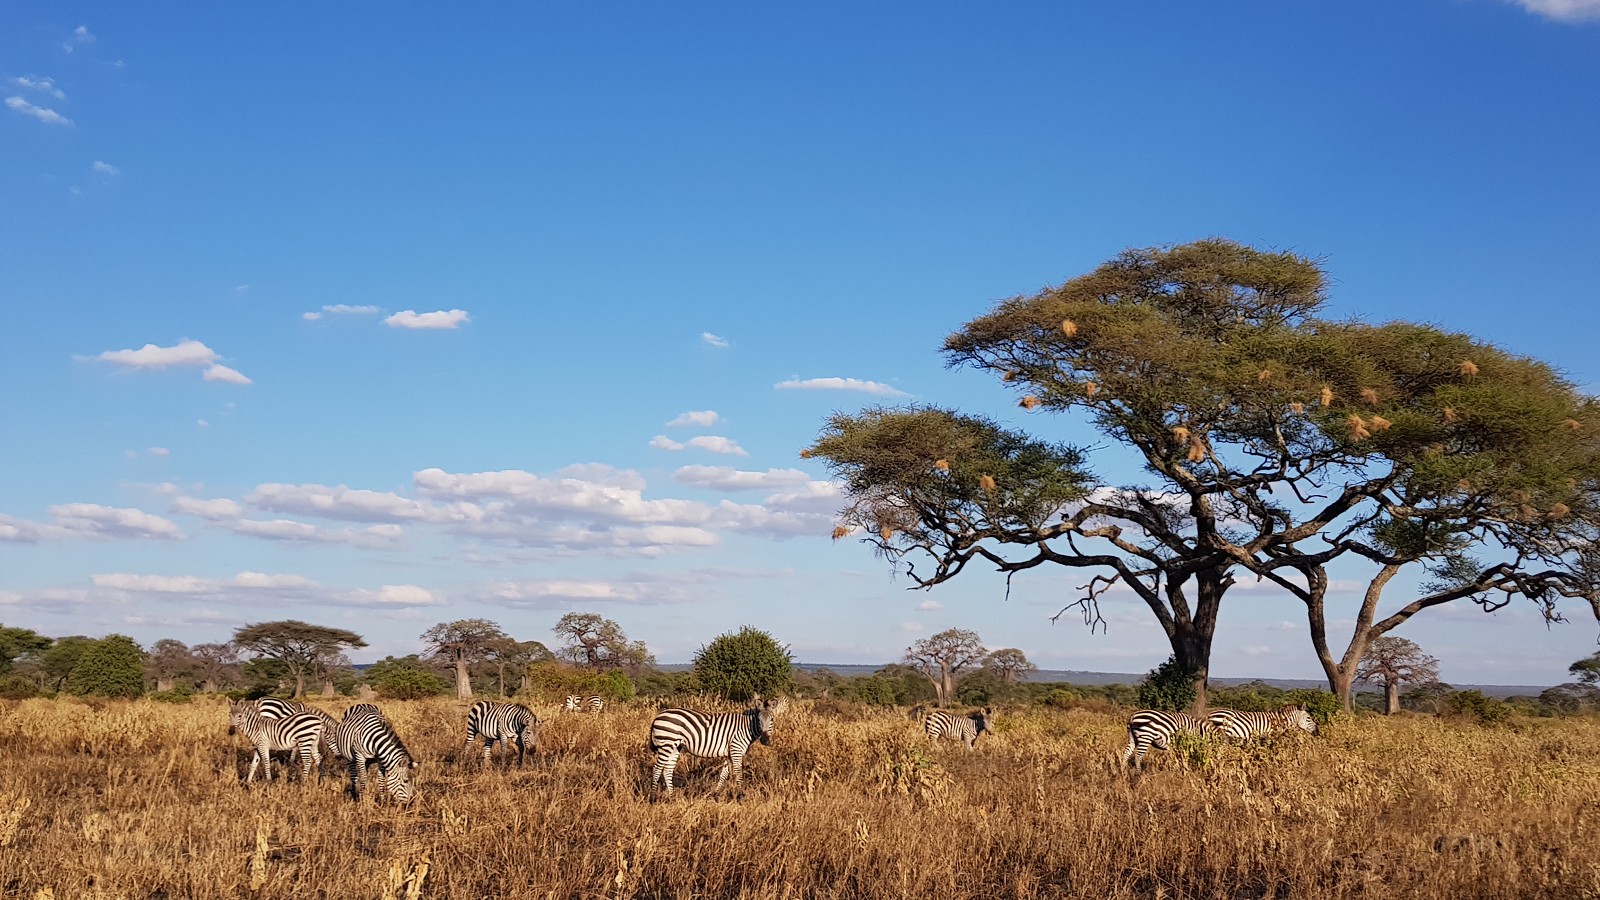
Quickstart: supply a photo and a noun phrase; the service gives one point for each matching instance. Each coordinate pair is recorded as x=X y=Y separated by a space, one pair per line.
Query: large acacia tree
x=301 y=647
x=1273 y=441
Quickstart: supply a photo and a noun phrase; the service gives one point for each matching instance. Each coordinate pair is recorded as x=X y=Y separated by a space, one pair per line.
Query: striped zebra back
x=502 y=720
x=277 y=708
x=577 y=703
x=710 y=734
x=1242 y=725
x=965 y=726
x=287 y=733
x=365 y=734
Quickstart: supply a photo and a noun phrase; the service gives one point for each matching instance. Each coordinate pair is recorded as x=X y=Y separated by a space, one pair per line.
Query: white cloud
x=311 y=316
x=214 y=510
x=410 y=318
x=220 y=372
x=911 y=627
x=150 y=356
x=80 y=35
x=559 y=592
x=42 y=113
x=201 y=423
x=374 y=536
x=256 y=589
x=105 y=168
x=159 y=451
x=929 y=606
x=82 y=521
x=709 y=442
x=714 y=340
x=41 y=84
x=727 y=478
x=396 y=595
x=339 y=502
x=1562 y=10
x=840 y=384
x=345 y=309
x=1255 y=650
x=704 y=418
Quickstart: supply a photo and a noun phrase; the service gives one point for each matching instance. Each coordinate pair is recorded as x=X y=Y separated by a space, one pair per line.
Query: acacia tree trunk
x=1191 y=633
x=328 y=689
x=210 y=686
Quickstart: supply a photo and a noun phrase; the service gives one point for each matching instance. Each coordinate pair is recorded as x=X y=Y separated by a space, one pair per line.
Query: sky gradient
x=380 y=317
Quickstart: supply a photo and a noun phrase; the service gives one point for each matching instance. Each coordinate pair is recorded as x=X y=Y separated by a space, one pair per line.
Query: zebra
x=576 y=703
x=365 y=734
x=502 y=722
x=944 y=723
x=277 y=708
x=707 y=735
x=1154 y=728
x=1242 y=725
x=300 y=733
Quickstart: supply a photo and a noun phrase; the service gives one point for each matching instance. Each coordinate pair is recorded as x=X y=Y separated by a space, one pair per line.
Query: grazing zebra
x=365 y=734
x=576 y=703
x=502 y=722
x=916 y=713
x=300 y=733
x=1154 y=728
x=1241 y=725
x=944 y=723
x=275 y=708
x=707 y=735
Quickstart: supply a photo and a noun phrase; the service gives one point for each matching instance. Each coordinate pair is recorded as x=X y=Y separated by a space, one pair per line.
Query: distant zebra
x=502 y=722
x=1154 y=728
x=944 y=723
x=365 y=734
x=276 y=708
x=301 y=734
x=576 y=703
x=1241 y=725
x=707 y=735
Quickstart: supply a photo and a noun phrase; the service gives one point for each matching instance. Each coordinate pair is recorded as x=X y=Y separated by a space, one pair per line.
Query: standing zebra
x=1154 y=728
x=502 y=722
x=1241 y=725
x=275 y=708
x=707 y=735
x=365 y=734
x=944 y=723
x=575 y=703
x=300 y=733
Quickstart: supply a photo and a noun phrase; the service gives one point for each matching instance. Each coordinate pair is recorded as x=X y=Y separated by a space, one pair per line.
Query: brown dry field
x=142 y=800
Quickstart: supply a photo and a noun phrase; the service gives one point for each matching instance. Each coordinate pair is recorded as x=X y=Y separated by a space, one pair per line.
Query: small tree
x=16 y=643
x=404 y=678
x=510 y=654
x=742 y=664
x=213 y=663
x=599 y=643
x=942 y=657
x=1010 y=665
x=300 y=646
x=168 y=661
x=1168 y=686
x=459 y=644
x=110 y=667
x=1393 y=661
x=1587 y=669
x=60 y=659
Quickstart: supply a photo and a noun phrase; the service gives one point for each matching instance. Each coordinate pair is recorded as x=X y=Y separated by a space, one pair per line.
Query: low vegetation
x=115 y=798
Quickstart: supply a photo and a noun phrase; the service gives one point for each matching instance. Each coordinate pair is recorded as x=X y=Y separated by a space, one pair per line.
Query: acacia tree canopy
x=1009 y=663
x=1273 y=442
x=300 y=646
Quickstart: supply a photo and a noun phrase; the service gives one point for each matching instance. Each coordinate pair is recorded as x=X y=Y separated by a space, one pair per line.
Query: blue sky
x=384 y=316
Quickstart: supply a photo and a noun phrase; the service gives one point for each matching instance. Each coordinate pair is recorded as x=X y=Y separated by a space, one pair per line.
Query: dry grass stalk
x=1326 y=396
x=1069 y=328
x=1029 y=402
x=1358 y=428
x=1468 y=368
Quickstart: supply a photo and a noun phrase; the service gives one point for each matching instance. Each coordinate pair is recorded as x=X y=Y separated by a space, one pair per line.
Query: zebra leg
x=522 y=749
x=488 y=748
x=666 y=761
x=355 y=779
x=468 y=746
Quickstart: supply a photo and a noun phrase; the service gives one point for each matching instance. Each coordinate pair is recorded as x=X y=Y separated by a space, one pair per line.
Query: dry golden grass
x=144 y=800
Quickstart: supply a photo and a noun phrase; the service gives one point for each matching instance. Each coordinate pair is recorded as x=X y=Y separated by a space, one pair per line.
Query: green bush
x=110 y=667
x=180 y=694
x=404 y=678
x=1168 y=686
x=16 y=687
x=742 y=664
x=1477 y=706
x=1062 y=698
x=1322 y=705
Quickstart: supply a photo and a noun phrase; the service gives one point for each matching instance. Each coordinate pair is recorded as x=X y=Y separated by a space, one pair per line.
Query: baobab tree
x=459 y=644
x=943 y=656
x=1393 y=661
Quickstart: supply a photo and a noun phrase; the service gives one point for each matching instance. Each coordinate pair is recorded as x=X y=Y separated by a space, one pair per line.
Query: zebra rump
x=709 y=736
x=502 y=722
x=1154 y=728
x=944 y=723
x=576 y=703
x=364 y=734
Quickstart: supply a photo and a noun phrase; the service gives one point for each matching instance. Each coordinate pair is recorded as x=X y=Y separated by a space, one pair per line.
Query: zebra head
x=573 y=700
x=983 y=720
x=761 y=719
x=237 y=712
x=1297 y=717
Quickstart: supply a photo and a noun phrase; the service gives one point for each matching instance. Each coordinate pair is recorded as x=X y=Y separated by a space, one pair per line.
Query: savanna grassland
x=141 y=799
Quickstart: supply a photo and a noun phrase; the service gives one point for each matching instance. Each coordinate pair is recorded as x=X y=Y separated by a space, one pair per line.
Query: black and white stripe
x=707 y=735
x=576 y=703
x=300 y=733
x=502 y=722
x=364 y=734
x=1154 y=728
x=1242 y=725
x=277 y=708
x=966 y=726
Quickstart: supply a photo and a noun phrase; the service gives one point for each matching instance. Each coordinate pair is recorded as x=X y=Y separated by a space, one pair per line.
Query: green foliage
x=404 y=678
x=1587 y=669
x=1476 y=706
x=181 y=694
x=1168 y=686
x=656 y=683
x=16 y=687
x=554 y=680
x=110 y=667
x=742 y=664
x=1322 y=705
x=1062 y=698
x=16 y=643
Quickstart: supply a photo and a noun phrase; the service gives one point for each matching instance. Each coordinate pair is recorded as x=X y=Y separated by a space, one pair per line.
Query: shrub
x=742 y=664
x=110 y=667
x=180 y=694
x=1061 y=698
x=1168 y=686
x=17 y=687
x=404 y=678
x=1322 y=705
x=1477 y=706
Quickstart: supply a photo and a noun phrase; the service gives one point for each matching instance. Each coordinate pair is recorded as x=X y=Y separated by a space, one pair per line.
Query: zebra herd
x=1155 y=728
x=362 y=736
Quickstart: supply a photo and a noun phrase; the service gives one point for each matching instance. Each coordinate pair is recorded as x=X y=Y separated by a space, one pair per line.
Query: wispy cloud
x=106 y=169
x=183 y=353
x=159 y=451
x=437 y=320
x=714 y=340
x=42 y=113
x=342 y=309
x=712 y=443
x=41 y=84
x=841 y=384
x=727 y=478
x=1562 y=10
x=80 y=35
x=80 y=521
x=704 y=418
x=929 y=606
